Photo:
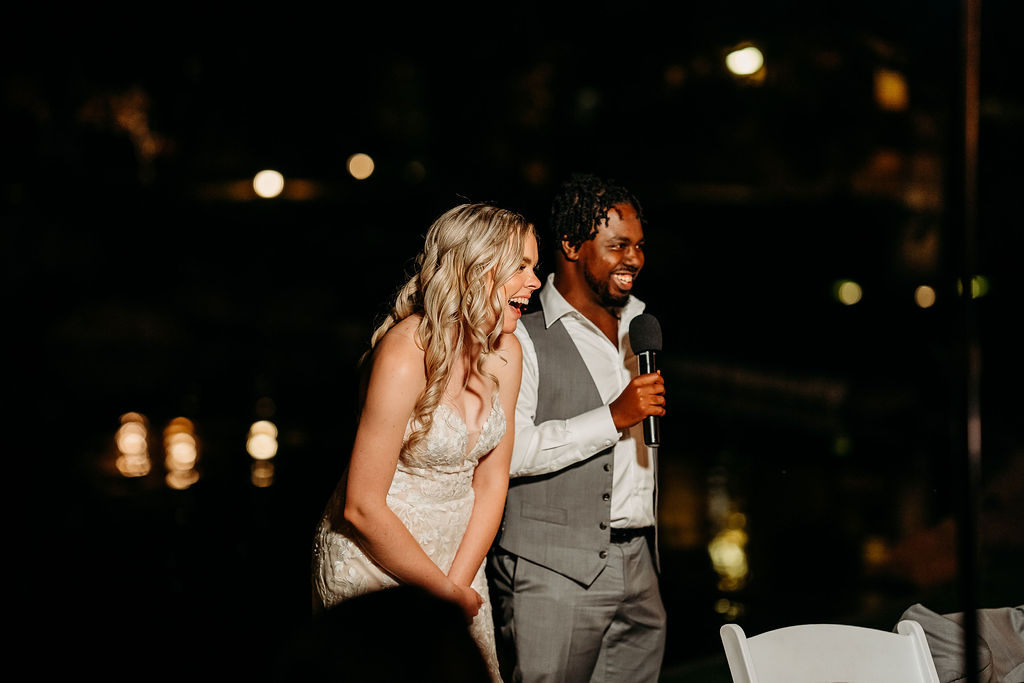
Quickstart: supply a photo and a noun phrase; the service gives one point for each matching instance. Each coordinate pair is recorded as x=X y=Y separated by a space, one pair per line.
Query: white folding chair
x=829 y=653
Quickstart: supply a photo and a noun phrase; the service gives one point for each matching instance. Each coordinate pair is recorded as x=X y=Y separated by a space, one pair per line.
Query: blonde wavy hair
x=451 y=290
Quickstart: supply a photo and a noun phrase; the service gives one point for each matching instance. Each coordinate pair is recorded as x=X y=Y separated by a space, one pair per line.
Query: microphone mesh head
x=645 y=333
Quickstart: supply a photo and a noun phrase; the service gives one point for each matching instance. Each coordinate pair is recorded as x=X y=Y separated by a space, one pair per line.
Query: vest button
x=603 y=554
x=606 y=496
x=603 y=526
x=607 y=467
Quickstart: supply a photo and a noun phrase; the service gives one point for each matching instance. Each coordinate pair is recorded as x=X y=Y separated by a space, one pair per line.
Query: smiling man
x=574 y=568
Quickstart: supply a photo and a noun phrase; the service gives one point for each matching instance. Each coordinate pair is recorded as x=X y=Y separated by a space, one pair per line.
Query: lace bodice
x=432 y=493
x=439 y=468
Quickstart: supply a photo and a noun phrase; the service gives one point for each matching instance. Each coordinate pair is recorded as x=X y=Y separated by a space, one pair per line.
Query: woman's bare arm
x=490 y=481
x=396 y=380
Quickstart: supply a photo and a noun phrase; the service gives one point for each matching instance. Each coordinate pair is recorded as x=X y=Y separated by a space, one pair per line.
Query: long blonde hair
x=451 y=290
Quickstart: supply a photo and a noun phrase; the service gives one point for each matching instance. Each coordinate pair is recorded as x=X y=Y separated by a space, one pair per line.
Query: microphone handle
x=647 y=361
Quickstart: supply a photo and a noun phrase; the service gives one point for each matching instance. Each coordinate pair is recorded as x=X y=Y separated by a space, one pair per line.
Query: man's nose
x=633 y=257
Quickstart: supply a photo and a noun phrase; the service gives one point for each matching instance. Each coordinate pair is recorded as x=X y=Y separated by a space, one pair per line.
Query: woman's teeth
x=519 y=303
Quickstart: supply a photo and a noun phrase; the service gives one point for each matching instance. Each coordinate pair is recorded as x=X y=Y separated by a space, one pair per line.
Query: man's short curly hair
x=582 y=203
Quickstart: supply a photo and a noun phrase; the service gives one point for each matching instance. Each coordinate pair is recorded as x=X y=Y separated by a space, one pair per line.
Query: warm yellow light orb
x=268 y=184
x=261 y=446
x=745 y=61
x=264 y=427
x=849 y=292
x=360 y=166
x=924 y=296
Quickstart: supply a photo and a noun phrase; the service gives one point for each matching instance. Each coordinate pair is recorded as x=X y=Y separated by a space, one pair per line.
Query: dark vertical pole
x=967 y=207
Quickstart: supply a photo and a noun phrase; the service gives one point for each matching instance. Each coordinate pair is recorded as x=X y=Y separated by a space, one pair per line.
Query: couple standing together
x=499 y=457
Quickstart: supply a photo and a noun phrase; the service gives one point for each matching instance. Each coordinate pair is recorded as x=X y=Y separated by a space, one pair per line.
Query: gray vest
x=561 y=520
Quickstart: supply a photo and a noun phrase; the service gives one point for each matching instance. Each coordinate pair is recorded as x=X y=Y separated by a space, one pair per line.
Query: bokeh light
x=181 y=453
x=360 y=166
x=729 y=557
x=261 y=444
x=891 y=91
x=745 y=61
x=924 y=296
x=848 y=292
x=268 y=184
x=729 y=609
x=979 y=286
x=262 y=474
x=132 y=443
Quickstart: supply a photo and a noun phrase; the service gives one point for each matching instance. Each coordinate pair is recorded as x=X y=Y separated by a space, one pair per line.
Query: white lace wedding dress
x=433 y=496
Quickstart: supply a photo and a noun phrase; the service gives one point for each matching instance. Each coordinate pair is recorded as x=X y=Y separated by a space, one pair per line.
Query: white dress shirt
x=556 y=444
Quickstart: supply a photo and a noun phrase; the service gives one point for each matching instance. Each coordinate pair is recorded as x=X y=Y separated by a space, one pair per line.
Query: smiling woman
x=519 y=287
x=423 y=495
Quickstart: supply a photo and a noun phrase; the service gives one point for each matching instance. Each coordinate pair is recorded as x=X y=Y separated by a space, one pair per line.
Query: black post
x=965 y=216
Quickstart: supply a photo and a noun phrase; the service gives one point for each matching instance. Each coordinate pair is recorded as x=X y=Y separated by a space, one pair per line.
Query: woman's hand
x=468 y=599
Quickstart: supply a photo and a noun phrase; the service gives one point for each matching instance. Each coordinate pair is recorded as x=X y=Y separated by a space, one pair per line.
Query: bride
x=423 y=494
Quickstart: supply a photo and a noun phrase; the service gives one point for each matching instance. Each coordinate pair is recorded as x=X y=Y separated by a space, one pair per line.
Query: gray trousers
x=552 y=629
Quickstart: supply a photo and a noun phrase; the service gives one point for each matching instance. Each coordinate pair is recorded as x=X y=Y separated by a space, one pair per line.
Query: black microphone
x=645 y=338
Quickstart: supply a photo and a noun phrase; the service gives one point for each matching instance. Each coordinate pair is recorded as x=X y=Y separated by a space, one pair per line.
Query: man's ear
x=570 y=252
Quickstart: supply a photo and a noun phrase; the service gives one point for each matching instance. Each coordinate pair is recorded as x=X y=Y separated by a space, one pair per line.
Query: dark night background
x=142 y=274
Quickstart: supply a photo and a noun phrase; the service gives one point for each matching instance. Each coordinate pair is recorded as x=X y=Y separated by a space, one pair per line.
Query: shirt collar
x=555 y=305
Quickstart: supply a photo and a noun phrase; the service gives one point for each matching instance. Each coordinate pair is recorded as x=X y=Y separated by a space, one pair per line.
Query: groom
x=574 y=567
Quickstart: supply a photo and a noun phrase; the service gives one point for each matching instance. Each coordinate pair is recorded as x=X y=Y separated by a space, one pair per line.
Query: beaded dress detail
x=432 y=494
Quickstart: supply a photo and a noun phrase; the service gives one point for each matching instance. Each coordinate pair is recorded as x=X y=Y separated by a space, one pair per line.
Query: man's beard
x=603 y=291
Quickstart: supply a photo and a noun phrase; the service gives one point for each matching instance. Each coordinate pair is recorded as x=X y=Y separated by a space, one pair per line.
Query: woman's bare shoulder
x=509 y=343
x=508 y=356
x=399 y=349
x=404 y=328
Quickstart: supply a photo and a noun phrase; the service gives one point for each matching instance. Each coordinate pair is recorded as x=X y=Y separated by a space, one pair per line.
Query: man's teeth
x=624 y=278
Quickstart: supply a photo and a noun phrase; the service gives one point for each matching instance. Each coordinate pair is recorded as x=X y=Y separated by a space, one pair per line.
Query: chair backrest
x=830 y=653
